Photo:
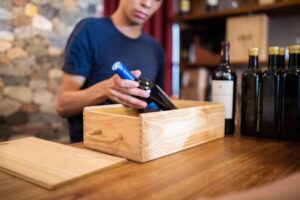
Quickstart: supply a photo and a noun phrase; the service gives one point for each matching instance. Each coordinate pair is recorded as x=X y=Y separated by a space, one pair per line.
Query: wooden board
x=51 y=164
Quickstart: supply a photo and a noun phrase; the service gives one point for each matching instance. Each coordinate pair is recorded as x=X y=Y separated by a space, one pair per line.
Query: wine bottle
x=251 y=96
x=158 y=99
x=291 y=96
x=272 y=96
x=224 y=88
x=281 y=59
x=212 y=5
x=184 y=7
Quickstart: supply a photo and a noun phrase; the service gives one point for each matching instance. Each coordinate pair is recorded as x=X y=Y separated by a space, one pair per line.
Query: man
x=93 y=47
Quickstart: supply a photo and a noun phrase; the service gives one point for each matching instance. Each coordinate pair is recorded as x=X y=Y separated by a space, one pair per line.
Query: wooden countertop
x=233 y=163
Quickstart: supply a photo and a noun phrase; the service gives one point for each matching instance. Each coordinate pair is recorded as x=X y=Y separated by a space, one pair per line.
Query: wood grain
x=245 y=32
x=50 y=164
x=226 y=165
x=142 y=137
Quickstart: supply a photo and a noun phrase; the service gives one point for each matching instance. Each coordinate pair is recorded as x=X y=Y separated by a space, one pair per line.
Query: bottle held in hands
x=157 y=101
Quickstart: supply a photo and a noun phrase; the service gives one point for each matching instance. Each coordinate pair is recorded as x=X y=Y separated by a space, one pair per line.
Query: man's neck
x=125 y=27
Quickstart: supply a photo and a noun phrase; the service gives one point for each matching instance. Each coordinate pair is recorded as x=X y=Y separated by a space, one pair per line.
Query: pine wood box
x=121 y=131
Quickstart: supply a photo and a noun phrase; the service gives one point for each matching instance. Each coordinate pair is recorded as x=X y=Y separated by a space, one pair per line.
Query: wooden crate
x=122 y=131
x=244 y=32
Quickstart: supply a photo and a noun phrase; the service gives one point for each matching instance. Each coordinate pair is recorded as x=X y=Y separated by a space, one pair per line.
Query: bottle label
x=222 y=92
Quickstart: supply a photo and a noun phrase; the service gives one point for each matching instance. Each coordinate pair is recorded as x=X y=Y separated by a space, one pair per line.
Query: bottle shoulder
x=224 y=74
x=253 y=73
x=291 y=72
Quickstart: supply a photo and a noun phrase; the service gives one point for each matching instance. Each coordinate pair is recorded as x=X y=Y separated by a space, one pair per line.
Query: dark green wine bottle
x=281 y=59
x=251 y=96
x=272 y=96
x=291 y=96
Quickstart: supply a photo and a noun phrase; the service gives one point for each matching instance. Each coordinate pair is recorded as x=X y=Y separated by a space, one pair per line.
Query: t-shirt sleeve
x=160 y=78
x=78 y=52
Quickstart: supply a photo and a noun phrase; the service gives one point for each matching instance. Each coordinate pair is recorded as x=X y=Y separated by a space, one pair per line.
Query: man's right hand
x=71 y=100
x=123 y=91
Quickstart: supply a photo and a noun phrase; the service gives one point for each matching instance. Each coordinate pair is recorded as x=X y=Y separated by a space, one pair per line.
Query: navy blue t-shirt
x=95 y=45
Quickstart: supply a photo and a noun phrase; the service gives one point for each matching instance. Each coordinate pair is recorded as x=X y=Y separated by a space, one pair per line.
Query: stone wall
x=33 y=34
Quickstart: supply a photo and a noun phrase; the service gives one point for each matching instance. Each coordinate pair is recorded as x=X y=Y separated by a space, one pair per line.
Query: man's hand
x=122 y=91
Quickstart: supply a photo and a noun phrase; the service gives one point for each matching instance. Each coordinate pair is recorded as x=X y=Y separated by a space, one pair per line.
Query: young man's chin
x=138 y=21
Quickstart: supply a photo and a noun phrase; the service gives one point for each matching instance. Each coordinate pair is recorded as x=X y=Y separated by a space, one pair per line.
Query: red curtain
x=160 y=27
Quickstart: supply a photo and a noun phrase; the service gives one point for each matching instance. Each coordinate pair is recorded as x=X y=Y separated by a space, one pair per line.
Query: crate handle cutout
x=98 y=136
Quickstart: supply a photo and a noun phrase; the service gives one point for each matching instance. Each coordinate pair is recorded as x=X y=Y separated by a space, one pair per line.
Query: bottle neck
x=281 y=62
x=272 y=64
x=294 y=61
x=253 y=62
x=225 y=56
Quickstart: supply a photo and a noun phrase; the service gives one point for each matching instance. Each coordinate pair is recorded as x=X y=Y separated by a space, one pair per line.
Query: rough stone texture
x=43 y=97
x=4 y=60
x=48 y=11
x=16 y=71
x=17 y=11
x=58 y=4
x=44 y=117
x=5 y=25
x=6 y=132
x=5 y=14
x=37 y=47
x=21 y=93
x=19 y=2
x=30 y=108
x=38 y=84
x=9 y=107
x=41 y=23
x=55 y=74
x=49 y=108
x=7 y=36
x=59 y=26
x=6 y=4
x=70 y=17
x=1 y=86
x=54 y=51
x=21 y=20
x=40 y=2
x=19 y=43
x=54 y=78
x=17 y=118
x=70 y=4
x=31 y=10
x=16 y=52
x=25 y=32
x=33 y=36
x=14 y=81
x=31 y=129
x=4 y=46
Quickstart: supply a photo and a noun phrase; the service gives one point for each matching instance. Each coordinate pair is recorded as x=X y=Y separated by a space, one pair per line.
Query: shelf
x=214 y=65
x=281 y=8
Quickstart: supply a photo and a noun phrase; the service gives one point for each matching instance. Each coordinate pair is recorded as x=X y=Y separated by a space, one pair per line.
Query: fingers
x=129 y=87
x=136 y=73
x=125 y=83
x=127 y=100
x=125 y=92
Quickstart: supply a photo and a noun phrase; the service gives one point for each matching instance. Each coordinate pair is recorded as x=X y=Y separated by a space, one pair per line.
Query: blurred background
x=33 y=35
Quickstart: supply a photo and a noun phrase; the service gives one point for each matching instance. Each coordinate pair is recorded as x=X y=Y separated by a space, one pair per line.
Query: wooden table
x=233 y=163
